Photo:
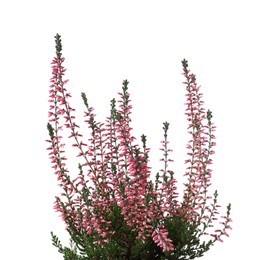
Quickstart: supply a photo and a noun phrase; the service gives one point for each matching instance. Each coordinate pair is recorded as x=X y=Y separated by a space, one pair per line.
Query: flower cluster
x=112 y=209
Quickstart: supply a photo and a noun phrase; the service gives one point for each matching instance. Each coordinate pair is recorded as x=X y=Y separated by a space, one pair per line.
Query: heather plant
x=112 y=209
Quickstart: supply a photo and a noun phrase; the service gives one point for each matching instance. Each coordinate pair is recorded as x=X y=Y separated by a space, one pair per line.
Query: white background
x=229 y=46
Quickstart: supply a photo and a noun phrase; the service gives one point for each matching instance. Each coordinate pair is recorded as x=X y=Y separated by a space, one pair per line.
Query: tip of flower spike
x=185 y=63
x=165 y=127
x=84 y=97
x=209 y=115
x=125 y=82
x=125 y=87
x=58 y=45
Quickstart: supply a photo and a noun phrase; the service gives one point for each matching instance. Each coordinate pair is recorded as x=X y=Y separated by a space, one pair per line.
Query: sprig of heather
x=134 y=200
x=112 y=209
x=166 y=183
x=70 y=213
x=55 y=111
x=200 y=148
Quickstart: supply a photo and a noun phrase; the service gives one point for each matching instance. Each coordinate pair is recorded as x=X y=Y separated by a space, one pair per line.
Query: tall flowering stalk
x=112 y=210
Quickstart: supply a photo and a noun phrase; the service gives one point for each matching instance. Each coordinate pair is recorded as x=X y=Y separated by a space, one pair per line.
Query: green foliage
x=124 y=245
x=184 y=236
